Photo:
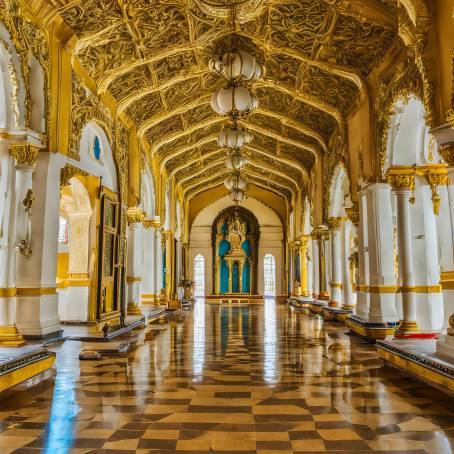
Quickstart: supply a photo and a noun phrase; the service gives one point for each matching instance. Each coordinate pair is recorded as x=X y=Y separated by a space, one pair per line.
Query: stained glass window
x=199 y=275
x=97 y=148
x=269 y=269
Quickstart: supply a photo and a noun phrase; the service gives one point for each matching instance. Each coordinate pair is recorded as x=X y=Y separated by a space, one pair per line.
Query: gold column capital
x=151 y=224
x=334 y=223
x=401 y=178
x=353 y=214
x=135 y=215
x=24 y=153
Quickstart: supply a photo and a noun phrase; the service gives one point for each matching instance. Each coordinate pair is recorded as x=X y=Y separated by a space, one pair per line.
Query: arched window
x=96 y=150
x=199 y=275
x=269 y=271
x=63 y=231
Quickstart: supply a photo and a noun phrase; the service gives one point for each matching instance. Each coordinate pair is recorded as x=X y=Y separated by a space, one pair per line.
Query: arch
x=339 y=192
x=408 y=140
x=265 y=215
x=105 y=166
x=36 y=78
x=147 y=194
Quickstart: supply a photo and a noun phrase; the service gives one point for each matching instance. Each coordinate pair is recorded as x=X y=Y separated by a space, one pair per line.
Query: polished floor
x=250 y=379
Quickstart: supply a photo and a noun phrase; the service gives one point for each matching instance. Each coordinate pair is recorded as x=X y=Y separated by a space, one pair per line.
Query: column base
x=133 y=309
x=323 y=296
x=370 y=331
x=334 y=304
x=411 y=330
x=10 y=337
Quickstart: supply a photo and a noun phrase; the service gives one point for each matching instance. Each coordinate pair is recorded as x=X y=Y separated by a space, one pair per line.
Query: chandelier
x=236 y=100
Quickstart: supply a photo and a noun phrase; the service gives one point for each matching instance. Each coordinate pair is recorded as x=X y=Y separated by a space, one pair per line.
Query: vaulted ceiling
x=152 y=57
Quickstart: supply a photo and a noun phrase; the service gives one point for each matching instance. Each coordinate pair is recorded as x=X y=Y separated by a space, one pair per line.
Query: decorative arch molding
x=406 y=82
x=337 y=180
x=106 y=169
x=13 y=98
x=31 y=51
x=86 y=108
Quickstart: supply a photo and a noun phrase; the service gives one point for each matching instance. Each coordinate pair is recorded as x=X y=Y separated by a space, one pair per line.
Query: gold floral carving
x=447 y=153
x=334 y=223
x=25 y=154
x=151 y=223
x=135 y=215
x=435 y=178
x=68 y=172
x=353 y=214
x=401 y=181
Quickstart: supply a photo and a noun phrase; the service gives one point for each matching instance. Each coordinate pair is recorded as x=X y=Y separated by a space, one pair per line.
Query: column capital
x=135 y=215
x=24 y=153
x=353 y=214
x=151 y=223
x=334 y=223
x=401 y=178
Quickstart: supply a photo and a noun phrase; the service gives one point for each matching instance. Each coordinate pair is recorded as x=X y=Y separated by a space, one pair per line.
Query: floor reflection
x=198 y=355
x=252 y=377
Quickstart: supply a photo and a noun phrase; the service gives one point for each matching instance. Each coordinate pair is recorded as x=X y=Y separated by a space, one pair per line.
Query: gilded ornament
x=68 y=172
x=353 y=214
x=447 y=153
x=25 y=154
x=334 y=223
x=437 y=177
x=135 y=215
x=401 y=181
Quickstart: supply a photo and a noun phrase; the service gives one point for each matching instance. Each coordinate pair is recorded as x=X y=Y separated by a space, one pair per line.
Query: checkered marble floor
x=250 y=379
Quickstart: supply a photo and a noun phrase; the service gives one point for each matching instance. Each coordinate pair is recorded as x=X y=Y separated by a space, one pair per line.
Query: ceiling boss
x=235 y=99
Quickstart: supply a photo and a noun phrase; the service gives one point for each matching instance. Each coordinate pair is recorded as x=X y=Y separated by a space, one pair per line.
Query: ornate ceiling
x=152 y=57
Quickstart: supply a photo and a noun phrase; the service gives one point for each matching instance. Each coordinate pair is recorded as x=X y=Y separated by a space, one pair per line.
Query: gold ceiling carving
x=152 y=57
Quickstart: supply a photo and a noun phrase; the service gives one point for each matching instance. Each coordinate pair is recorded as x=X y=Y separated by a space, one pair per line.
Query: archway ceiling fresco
x=152 y=57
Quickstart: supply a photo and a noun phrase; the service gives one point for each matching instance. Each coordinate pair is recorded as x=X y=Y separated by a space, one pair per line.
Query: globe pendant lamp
x=236 y=65
x=234 y=136
x=236 y=161
x=234 y=101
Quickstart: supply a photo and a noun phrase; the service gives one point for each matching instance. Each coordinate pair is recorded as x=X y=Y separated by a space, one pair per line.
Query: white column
x=158 y=261
x=362 y=296
x=403 y=185
x=133 y=266
x=17 y=165
x=335 y=262
x=348 y=297
x=310 y=268
x=315 y=267
x=37 y=300
x=382 y=283
x=148 y=267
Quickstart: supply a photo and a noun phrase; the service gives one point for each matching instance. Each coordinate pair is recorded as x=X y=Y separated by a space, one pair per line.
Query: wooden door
x=108 y=270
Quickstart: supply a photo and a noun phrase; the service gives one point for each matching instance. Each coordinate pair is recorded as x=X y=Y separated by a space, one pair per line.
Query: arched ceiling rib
x=152 y=57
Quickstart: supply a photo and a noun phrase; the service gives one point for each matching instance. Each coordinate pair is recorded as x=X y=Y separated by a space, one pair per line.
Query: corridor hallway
x=256 y=378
